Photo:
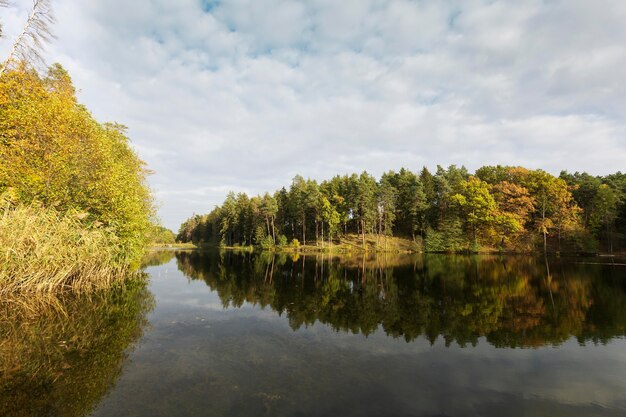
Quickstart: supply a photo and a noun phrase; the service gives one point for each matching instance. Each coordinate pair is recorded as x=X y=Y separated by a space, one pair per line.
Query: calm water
x=252 y=335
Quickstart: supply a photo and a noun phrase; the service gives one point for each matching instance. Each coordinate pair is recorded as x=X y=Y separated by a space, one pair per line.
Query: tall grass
x=44 y=251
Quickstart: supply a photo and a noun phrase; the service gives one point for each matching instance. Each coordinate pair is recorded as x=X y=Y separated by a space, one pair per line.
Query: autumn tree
x=515 y=204
x=555 y=208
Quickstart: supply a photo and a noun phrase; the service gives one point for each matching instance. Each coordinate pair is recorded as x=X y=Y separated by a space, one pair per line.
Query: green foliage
x=262 y=239
x=281 y=240
x=448 y=238
x=54 y=152
x=499 y=208
x=478 y=205
x=162 y=235
x=259 y=235
x=267 y=242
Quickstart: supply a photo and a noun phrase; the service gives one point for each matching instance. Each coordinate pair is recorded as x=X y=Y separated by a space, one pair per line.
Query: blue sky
x=244 y=94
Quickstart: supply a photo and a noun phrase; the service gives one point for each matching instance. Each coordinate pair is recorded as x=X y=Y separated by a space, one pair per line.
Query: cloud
x=244 y=94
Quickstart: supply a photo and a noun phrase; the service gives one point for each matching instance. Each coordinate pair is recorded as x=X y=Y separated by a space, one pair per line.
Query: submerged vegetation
x=498 y=208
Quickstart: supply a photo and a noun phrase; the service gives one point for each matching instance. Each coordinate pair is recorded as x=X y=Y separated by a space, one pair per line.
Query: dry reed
x=45 y=251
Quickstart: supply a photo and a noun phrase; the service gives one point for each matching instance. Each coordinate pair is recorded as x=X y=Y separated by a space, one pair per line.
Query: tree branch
x=28 y=46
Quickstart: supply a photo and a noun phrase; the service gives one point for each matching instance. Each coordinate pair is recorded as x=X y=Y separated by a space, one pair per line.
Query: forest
x=497 y=208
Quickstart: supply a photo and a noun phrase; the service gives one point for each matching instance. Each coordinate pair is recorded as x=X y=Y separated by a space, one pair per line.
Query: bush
x=295 y=243
x=281 y=240
x=259 y=235
x=267 y=242
x=54 y=152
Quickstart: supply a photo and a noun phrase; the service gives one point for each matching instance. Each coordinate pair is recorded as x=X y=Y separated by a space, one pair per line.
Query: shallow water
x=435 y=335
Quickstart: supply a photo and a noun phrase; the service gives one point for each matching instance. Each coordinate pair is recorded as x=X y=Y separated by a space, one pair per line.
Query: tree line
x=451 y=210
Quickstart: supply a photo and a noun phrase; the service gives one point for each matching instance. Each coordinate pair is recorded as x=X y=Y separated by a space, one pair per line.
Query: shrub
x=281 y=240
x=54 y=152
x=267 y=242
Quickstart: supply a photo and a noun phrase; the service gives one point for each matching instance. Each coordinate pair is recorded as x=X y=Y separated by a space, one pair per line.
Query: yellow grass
x=44 y=251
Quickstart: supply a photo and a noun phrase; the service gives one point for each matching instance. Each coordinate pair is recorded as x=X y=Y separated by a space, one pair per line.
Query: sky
x=242 y=95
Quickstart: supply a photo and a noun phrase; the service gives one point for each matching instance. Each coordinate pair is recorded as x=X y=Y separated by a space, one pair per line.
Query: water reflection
x=157 y=257
x=61 y=358
x=510 y=301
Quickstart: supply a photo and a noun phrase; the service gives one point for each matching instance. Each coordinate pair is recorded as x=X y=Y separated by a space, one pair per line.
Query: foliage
x=281 y=241
x=52 y=151
x=162 y=235
x=497 y=208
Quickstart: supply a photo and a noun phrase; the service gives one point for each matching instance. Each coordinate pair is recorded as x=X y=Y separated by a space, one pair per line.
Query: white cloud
x=244 y=94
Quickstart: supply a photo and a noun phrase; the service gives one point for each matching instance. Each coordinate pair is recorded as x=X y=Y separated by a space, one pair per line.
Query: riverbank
x=172 y=246
x=353 y=243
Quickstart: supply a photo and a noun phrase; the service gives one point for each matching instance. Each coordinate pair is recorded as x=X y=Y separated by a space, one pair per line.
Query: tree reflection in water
x=512 y=301
x=61 y=358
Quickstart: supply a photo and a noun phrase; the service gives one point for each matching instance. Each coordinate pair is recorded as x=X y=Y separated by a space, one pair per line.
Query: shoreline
x=342 y=250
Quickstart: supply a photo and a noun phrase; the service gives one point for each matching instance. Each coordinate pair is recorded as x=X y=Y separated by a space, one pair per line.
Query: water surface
x=436 y=335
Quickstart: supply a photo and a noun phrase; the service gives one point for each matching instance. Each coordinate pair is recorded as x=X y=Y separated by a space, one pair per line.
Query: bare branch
x=3 y=3
x=28 y=46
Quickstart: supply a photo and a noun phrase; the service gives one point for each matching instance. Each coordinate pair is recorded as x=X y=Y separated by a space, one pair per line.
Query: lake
x=227 y=334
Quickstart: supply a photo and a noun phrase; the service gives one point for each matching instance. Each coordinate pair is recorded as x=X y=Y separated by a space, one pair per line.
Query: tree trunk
x=317 y=235
x=543 y=226
x=363 y=232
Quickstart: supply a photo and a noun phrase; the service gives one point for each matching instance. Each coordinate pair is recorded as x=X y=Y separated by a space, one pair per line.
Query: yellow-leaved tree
x=54 y=152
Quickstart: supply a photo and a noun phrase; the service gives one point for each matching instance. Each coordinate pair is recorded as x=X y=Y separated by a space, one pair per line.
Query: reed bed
x=43 y=250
